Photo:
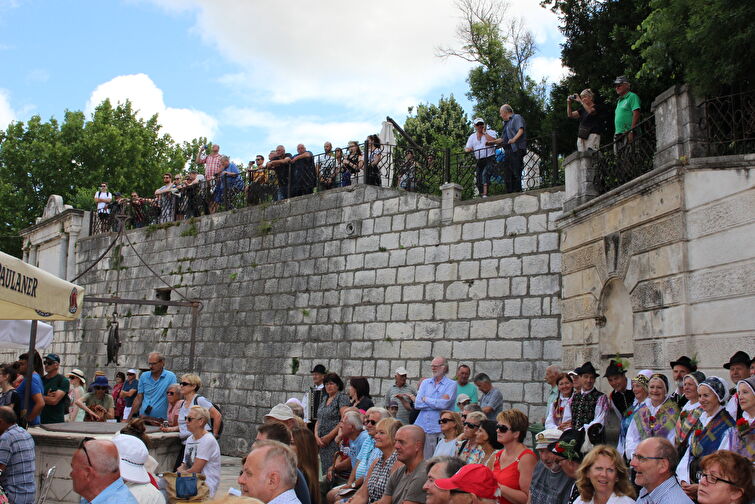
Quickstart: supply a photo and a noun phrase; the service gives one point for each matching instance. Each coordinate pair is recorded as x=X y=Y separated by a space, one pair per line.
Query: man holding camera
x=213 y=164
x=478 y=144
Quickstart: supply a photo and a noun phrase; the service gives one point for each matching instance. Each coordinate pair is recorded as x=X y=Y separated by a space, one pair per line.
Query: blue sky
x=249 y=74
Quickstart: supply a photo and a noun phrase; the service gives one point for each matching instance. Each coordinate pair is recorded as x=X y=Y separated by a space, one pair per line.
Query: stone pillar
x=676 y=126
x=33 y=255
x=71 y=256
x=63 y=256
x=450 y=194
x=580 y=175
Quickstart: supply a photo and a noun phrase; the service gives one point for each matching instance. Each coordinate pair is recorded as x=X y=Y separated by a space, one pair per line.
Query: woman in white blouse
x=557 y=412
x=603 y=478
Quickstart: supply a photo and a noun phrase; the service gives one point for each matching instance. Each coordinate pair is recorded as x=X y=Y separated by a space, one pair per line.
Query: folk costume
x=691 y=366
x=587 y=409
x=713 y=433
x=733 y=407
x=742 y=440
x=557 y=412
x=690 y=415
x=572 y=445
x=652 y=421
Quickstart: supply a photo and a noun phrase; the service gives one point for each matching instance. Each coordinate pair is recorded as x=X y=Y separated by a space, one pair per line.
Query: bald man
x=434 y=395
x=151 y=400
x=405 y=484
x=269 y=473
x=95 y=472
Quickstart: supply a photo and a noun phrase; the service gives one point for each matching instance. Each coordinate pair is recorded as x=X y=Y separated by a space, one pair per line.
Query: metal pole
x=30 y=366
x=447 y=166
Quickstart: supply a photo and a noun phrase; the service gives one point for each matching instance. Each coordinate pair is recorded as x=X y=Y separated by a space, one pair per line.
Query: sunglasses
x=503 y=429
x=82 y=446
x=49 y=362
x=445 y=420
x=184 y=384
x=98 y=387
x=190 y=419
x=171 y=393
x=370 y=422
x=471 y=425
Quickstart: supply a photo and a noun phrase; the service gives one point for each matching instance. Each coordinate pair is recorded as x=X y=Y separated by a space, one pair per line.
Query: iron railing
x=626 y=158
x=540 y=168
x=727 y=124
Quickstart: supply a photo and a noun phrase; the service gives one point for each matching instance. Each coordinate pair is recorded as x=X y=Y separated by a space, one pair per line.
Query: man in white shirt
x=477 y=143
x=270 y=473
x=311 y=400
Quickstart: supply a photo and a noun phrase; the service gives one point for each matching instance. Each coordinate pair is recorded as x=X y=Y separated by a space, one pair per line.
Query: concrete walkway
x=229 y=473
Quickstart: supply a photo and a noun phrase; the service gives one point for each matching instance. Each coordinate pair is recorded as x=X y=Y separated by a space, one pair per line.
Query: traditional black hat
x=738 y=358
x=615 y=367
x=587 y=367
x=570 y=445
x=684 y=361
x=319 y=369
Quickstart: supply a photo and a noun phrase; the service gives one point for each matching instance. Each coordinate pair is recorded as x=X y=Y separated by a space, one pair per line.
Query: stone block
x=469 y=269
x=531 y=307
x=478 y=289
x=415 y=255
x=457 y=330
x=420 y=311
x=495 y=228
x=535 y=264
x=520 y=371
x=412 y=293
x=532 y=349
x=416 y=219
x=547 y=242
x=446 y=310
x=409 y=239
x=544 y=284
x=429 y=236
x=425 y=273
x=473 y=231
x=373 y=296
x=399 y=330
x=483 y=329
x=510 y=266
x=525 y=244
x=490 y=308
x=489 y=268
x=364 y=277
x=482 y=249
x=385 y=276
x=511 y=391
x=429 y=330
x=364 y=313
x=526 y=204
x=405 y=275
x=552 y=350
x=446 y=272
x=469 y=349
x=494 y=208
x=544 y=328
x=461 y=251
x=382 y=224
x=389 y=241
x=516 y=225
x=355 y=261
x=398 y=223
x=457 y=290
x=533 y=392
x=514 y=329
x=498 y=287
x=398 y=258
x=443 y=348
x=503 y=247
x=468 y=309
x=450 y=233
x=398 y=311
x=434 y=291
x=436 y=254
x=512 y=308
x=415 y=349
x=537 y=223
x=465 y=213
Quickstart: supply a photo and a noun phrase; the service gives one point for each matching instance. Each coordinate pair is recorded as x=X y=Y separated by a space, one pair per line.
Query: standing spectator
x=328 y=418
x=98 y=404
x=194 y=194
x=17 y=467
x=77 y=391
x=128 y=392
x=133 y=455
x=515 y=144
x=190 y=385
x=550 y=485
x=464 y=386
x=269 y=473
x=604 y=477
x=96 y=474
x=408 y=172
x=257 y=180
x=8 y=395
x=680 y=368
x=352 y=165
x=56 y=387
x=435 y=395
x=280 y=162
x=551 y=378
x=303 y=174
x=739 y=369
x=326 y=167
x=36 y=401
x=339 y=159
x=103 y=199
x=491 y=399
x=477 y=143
x=590 y=126
x=403 y=394
x=405 y=484
x=166 y=200
x=374 y=158
x=627 y=113
x=137 y=209
x=451 y=428
x=212 y=166
x=513 y=465
x=229 y=183
x=653 y=463
x=120 y=404
x=150 y=397
x=311 y=400
x=174 y=397
x=202 y=454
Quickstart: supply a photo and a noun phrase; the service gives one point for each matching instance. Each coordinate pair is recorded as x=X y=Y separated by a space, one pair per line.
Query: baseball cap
x=546 y=437
x=621 y=79
x=131 y=371
x=281 y=412
x=133 y=455
x=472 y=478
x=462 y=398
x=53 y=356
x=478 y=120
x=401 y=371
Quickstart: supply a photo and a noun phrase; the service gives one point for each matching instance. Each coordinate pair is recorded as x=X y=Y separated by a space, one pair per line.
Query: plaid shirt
x=17 y=453
x=211 y=165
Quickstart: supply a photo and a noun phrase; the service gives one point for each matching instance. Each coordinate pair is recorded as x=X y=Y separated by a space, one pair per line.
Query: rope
x=99 y=258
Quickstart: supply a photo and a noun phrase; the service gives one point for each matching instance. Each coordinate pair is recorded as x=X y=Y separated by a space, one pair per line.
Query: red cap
x=472 y=478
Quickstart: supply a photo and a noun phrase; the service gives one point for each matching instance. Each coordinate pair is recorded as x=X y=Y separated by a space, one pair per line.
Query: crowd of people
x=687 y=438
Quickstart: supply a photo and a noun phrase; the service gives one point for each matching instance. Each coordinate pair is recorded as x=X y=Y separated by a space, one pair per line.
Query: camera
x=573 y=97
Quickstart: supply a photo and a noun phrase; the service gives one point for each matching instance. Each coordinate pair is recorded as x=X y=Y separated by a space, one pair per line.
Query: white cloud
x=551 y=69
x=147 y=99
x=7 y=114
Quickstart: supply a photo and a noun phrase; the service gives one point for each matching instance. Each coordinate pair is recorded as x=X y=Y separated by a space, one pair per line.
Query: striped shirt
x=211 y=165
x=17 y=454
x=668 y=492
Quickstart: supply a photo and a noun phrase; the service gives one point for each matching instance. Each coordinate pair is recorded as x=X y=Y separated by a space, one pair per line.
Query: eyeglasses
x=184 y=384
x=153 y=363
x=99 y=387
x=446 y=420
x=49 y=363
x=370 y=422
x=503 y=429
x=171 y=393
x=189 y=419
x=642 y=458
x=471 y=425
x=82 y=446
x=712 y=479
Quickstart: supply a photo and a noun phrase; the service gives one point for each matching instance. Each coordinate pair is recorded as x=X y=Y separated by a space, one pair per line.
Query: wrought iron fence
x=502 y=172
x=625 y=158
x=727 y=124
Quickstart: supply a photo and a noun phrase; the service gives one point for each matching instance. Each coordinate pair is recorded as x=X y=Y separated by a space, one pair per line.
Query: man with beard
x=680 y=368
x=550 y=485
x=435 y=394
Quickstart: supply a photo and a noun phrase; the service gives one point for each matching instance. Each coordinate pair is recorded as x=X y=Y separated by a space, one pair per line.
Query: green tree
x=437 y=127
x=39 y=158
x=706 y=43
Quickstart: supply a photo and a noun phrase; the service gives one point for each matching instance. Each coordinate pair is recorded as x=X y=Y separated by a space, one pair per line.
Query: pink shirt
x=211 y=165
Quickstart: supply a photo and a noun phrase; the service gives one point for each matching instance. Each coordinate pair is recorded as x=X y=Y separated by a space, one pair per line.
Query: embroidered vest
x=687 y=421
x=660 y=424
x=583 y=407
x=558 y=411
x=622 y=400
x=705 y=441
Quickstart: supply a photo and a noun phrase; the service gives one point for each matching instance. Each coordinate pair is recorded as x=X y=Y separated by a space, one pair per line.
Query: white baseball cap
x=133 y=455
x=281 y=412
x=401 y=371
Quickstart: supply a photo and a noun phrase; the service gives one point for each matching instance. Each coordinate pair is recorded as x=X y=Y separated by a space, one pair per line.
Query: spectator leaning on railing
x=478 y=144
x=279 y=162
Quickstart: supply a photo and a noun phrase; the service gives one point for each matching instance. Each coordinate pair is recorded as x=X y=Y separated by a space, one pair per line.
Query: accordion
x=314 y=396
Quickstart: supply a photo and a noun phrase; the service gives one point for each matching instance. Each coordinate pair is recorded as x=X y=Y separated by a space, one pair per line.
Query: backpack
x=212 y=426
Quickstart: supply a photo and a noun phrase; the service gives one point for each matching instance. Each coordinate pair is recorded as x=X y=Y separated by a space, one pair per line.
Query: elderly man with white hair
x=96 y=474
x=269 y=473
x=434 y=395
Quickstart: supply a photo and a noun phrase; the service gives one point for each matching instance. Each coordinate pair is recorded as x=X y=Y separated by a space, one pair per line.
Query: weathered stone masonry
x=363 y=279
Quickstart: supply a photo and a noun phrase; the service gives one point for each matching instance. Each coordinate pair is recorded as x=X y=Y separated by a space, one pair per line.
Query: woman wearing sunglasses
x=98 y=404
x=725 y=477
x=202 y=454
x=469 y=452
x=513 y=465
x=451 y=428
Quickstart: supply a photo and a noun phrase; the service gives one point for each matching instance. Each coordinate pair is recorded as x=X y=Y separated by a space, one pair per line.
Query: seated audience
x=440 y=467
x=405 y=484
x=202 y=453
x=96 y=474
x=269 y=473
x=305 y=447
x=17 y=459
x=487 y=440
x=451 y=428
x=513 y=465
x=472 y=484
x=549 y=485
x=570 y=449
x=603 y=478
x=725 y=478
x=98 y=404
x=653 y=463
x=469 y=451
x=275 y=431
x=134 y=456
x=383 y=466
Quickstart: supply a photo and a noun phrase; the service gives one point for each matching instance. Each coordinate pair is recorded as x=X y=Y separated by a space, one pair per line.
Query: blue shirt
x=130 y=385
x=116 y=493
x=154 y=393
x=493 y=399
x=430 y=402
x=668 y=492
x=363 y=457
x=510 y=129
x=355 y=447
x=17 y=455
x=36 y=388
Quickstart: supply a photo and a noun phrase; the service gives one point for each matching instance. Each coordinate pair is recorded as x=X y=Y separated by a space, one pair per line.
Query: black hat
x=587 y=367
x=570 y=445
x=615 y=367
x=684 y=361
x=738 y=358
x=319 y=369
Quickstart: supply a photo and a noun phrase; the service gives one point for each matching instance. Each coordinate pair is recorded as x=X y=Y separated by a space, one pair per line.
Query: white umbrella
x=388 y=141
x=15 y=333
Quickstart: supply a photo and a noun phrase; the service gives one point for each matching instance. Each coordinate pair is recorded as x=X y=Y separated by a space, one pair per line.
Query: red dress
x=509 y=475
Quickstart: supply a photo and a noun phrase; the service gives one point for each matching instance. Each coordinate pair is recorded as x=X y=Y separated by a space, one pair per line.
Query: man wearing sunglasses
x=151 y=399
x=56 y=387
x=96 y=473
